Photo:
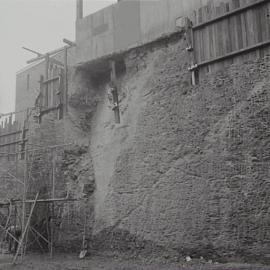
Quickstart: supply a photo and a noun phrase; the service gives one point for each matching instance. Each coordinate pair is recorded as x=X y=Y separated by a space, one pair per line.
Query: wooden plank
x=200 y=36
x=238 y=28
x=205 y=35
x=220 y=36
x=49 y=85
x=46 y=88
x=232 y=28
x=225 y=30
x=255 y=37
x=7 y=138
x=260 y=22
x=227 y=40
x=13 y=148
x=235 y=21
x=214 y=66
x=17 y=148
x=260 y=25
x=264 y=22
x=244 y=28
x=268 y=21
x=65 y=100
x=196 y=40
x=200 y=18
x=240 y=31
x=25 y=229
x=10 y=136
x=251 y=40
x=211 y=30
x=267 y=28
x=196 y=46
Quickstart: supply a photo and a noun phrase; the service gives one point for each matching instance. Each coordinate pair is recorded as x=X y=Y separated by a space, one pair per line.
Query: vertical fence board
x=211 y=31
x=196 y=43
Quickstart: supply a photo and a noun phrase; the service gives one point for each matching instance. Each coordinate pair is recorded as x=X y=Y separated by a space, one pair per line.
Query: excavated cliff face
x=187 y=169
x=186 y=172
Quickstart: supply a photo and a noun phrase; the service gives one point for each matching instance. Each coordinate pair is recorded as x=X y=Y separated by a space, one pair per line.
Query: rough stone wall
x=188 y=167
x=186 y=171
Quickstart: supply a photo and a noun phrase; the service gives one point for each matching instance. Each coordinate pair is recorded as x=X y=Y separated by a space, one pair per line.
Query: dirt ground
x=71 y=262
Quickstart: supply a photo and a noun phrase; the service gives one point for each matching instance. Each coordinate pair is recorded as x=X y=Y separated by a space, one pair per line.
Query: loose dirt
x=71 y=262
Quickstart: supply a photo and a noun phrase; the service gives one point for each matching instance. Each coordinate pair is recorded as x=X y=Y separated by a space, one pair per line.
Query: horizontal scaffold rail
x=13 y=133
x=39 y=201
x=36 y=149
x=14 y=142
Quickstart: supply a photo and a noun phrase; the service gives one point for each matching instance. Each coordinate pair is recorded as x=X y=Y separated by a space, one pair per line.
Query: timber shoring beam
x=42 y=56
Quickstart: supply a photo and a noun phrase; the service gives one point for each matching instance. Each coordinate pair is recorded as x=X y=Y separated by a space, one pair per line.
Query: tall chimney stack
x=79 y=9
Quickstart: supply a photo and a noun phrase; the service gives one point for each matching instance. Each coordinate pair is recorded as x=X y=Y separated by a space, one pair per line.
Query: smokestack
x=79 y=9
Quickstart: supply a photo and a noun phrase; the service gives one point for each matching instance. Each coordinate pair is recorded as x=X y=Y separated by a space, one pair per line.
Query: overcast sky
x=37 y=24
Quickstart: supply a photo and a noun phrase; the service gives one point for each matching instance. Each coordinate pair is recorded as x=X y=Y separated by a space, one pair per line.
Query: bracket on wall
x=193 y=67
x=194 y=73
x=189 y=48
x=186 y=24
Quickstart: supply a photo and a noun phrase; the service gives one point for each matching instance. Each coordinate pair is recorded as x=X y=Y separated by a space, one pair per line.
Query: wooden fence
x=231 y=32
x=13 y=138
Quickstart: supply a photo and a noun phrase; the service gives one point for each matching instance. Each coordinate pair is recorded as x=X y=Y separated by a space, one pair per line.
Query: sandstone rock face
x=188 y=167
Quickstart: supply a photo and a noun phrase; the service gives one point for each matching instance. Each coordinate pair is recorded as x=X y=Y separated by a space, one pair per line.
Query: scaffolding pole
x=25 y=230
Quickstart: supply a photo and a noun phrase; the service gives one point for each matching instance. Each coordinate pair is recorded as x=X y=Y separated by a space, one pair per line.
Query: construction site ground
x=101 y=262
